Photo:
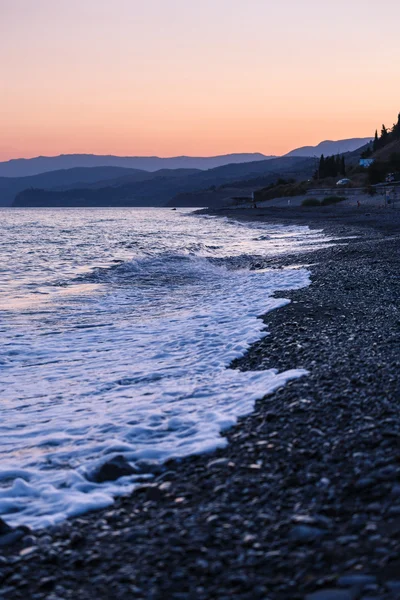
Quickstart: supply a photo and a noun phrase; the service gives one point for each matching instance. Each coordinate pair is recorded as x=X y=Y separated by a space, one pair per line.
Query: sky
x=194 y=77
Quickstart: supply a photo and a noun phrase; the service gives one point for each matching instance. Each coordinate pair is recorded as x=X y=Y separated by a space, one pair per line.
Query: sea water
x=117 y=330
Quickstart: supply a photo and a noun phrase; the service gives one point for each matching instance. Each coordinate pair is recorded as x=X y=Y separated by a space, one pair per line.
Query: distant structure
x=366 y=162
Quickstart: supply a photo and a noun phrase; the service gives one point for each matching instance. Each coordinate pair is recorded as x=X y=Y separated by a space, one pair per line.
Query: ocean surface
x=117 y=330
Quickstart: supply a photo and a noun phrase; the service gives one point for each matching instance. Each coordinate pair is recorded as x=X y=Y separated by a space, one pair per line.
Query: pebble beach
x=304 y=501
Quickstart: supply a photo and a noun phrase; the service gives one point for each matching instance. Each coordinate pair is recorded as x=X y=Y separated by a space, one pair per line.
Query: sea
x=117 y=331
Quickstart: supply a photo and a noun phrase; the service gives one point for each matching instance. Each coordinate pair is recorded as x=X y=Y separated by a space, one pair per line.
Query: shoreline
x=307 y=489
x=385 y=220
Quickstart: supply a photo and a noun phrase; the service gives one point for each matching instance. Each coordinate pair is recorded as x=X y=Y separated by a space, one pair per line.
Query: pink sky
x=198 y=77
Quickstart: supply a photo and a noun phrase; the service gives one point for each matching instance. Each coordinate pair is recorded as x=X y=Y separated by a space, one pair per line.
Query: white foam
x=138 y=367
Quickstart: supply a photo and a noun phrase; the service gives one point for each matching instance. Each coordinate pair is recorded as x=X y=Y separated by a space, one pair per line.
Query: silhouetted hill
x=163 y=186
x=23 y=167
x=292 y=169
x=330 y=148
x=66 y=178
x=387 y=152
x=81 y=178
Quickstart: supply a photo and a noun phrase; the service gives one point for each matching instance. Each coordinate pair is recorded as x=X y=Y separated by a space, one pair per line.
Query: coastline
x=308 y=488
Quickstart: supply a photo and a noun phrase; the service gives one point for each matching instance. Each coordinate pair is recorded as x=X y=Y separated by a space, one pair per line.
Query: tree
x=343 y=166
x=330 y=166
x=321 y=169
x=375 y=145
x=367 y=153
x=396 y=128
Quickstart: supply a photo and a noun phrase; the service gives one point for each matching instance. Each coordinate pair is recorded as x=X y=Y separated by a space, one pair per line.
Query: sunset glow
x=172 y=77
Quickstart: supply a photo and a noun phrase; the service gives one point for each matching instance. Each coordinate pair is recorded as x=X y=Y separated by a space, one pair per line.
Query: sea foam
x=134 y=359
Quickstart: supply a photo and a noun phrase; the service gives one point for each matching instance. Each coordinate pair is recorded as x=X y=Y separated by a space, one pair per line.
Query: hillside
x=64 y=179
x=24 y=167
x=82 y=178
x=230 y=193
x=162 y=187
x=387 y=152
x=328 y=148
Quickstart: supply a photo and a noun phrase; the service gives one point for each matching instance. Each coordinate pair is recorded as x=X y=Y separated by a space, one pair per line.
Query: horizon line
x=155 y=156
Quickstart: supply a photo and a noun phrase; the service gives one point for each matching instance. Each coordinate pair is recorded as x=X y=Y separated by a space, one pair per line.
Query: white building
x=366 y=162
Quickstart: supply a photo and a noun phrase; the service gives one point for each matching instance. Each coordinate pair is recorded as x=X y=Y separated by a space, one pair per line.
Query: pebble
x=112 y=469
x=314 y=519
x=355 y=579
x=304 y=533
x=331 y=594
x=218 y=463
x=393 y=586
x=8 y=539
x=28 y=551
x=364 y=483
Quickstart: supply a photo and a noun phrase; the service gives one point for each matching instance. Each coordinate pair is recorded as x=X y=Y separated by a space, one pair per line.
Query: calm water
x=117 y=328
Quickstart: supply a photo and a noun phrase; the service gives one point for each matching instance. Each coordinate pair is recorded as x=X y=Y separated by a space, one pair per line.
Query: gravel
x=304 y=501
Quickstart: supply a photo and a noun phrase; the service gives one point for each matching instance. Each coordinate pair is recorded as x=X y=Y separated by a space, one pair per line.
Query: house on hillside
x=366 y=162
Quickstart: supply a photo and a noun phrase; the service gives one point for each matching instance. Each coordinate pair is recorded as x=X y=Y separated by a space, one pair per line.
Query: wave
x=140 y=365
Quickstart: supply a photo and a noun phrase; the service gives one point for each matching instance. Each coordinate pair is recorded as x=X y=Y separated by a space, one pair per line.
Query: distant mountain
x=218 y=196
x=81 y=178
x=23 y=167
x=63 y=179
x=328 y=148
x=159 y=188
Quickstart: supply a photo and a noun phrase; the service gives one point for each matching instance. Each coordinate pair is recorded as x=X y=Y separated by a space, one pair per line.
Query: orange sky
x=198 y=77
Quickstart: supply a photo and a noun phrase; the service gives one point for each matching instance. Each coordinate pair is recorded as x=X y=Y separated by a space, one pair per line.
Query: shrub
x=281 y=191
x=332 y=200
x=311 y=202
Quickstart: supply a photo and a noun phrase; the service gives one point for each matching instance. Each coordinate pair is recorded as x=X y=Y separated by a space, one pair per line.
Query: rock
x=393 y=586
x=356 y=580
x=152 y=491
x=396 y=490
x=331 y=594
x=146 y=465
x=249 y=539
x=167 y=476
x=388 y=473
x=346 y=539
x=201 y=565
x=394 y=511
x=217 y=463
x=76 y=539
x=304 y=533
x=364 y=483
x=47 y=583
x=270 y=416
x=113 y=469
x=312 y=520
x=4 y=528
x=30 y=540
x=10 y=538
x=28 y=551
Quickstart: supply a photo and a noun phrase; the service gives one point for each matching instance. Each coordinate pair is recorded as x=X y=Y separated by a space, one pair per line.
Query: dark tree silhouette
x=331 y=166
x=376 y=142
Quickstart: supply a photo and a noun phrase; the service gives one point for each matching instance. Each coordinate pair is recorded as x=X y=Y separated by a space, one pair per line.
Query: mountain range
x=329 y=148
x=162 y=187
x=109 y=181
x=24 y=167
x=82 y=178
